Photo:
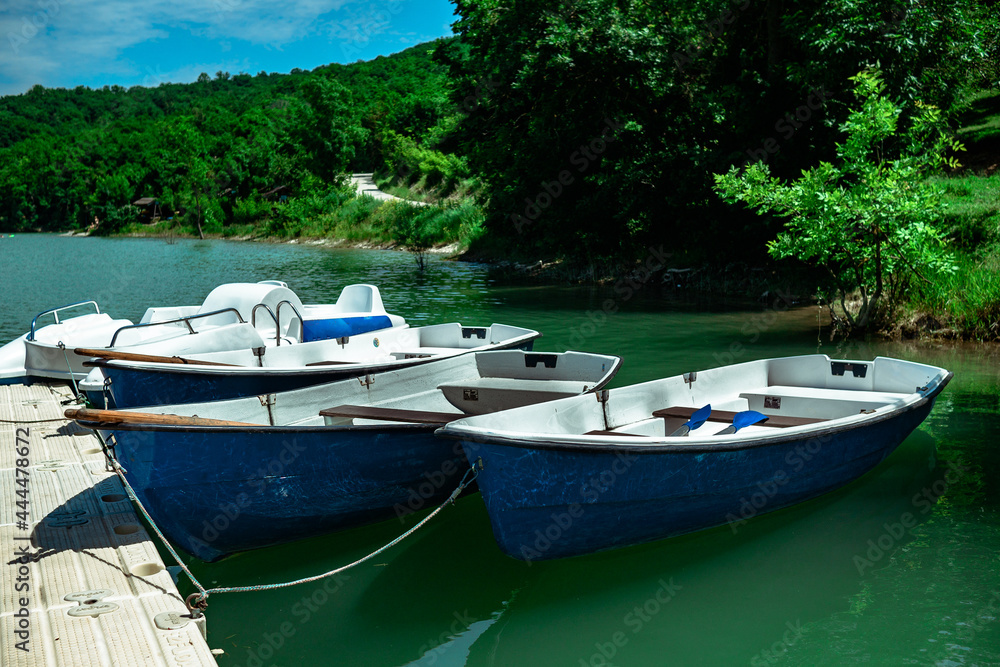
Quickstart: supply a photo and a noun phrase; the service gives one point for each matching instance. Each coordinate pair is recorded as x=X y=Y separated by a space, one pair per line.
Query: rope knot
x=196 y=603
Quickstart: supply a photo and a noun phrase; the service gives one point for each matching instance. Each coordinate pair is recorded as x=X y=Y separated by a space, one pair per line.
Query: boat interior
x=382 y=346
x=791 y=392
x=429 y=394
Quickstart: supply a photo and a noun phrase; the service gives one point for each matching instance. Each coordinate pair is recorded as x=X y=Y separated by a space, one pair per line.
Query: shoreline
x=914 y=325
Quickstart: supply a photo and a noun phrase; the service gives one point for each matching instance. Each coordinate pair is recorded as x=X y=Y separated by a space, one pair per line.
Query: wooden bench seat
x=423 y=352
x=390 y=414
x=726 y=417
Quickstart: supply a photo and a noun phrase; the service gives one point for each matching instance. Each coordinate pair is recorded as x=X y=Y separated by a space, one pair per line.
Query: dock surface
x=82 y=583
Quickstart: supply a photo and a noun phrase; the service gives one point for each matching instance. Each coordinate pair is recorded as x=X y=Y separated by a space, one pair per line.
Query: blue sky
x=69 y=43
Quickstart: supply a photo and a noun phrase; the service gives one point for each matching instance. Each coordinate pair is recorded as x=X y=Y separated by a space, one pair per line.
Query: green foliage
x=414 y=164
x=872 y=220
x=250 y=210
x=972 y=216
x=331 y=129
x=691 y=87
x=116 y=219
x=967 y=299
x=68 y=155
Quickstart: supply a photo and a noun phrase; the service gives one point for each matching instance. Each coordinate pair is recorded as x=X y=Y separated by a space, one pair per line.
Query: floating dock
x=81 y=580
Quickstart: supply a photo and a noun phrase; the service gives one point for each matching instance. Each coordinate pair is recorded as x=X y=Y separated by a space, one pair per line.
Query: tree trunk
x=773 y=19
x=197 y=201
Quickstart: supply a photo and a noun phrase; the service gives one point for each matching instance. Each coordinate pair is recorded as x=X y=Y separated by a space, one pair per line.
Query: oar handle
x=150 y=358
x=124 y=417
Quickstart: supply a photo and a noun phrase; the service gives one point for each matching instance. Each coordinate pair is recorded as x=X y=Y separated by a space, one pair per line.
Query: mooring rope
x=31 y=421
x=72 y=378
x=200 y=599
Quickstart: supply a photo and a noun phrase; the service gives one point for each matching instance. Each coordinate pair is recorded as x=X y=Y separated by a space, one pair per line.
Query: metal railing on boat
x=277 y=318
x=186 y=320
x=55 y=313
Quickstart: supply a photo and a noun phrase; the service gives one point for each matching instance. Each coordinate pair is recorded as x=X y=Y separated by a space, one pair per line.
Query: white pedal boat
x=233 y=316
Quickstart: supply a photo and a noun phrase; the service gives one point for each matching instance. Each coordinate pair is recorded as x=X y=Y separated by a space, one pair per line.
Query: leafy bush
x=412 y=162
x=117 y=218
x=873 y=221
x=250 y=210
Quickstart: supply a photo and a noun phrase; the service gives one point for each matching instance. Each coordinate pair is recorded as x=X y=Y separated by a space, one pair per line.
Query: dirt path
x=366 y=186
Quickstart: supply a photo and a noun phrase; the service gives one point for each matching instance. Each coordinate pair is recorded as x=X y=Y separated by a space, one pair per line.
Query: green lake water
x=900 y=567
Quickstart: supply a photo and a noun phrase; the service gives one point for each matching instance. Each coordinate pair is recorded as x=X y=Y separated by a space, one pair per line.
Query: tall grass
x=972 y=217
x=967 y=300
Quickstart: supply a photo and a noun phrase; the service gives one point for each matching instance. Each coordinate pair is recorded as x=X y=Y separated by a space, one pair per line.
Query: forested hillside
x=227 y=149
x=588 y=130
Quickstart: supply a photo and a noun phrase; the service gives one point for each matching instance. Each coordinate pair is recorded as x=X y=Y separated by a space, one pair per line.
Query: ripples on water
x=787 y=588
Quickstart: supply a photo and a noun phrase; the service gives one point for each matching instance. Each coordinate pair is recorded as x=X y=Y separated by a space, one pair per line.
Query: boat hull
x=553 y=502
x=215 y=494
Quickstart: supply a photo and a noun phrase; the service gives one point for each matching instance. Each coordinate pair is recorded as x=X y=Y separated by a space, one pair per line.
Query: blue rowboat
x=125 y=383
x=658 y=459
x=259 y=471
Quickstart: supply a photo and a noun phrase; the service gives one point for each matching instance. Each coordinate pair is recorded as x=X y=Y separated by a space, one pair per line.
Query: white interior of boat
x=233 y=316
x=794 y=392
x=417 y=394
x=275 y=311
x=385 y=346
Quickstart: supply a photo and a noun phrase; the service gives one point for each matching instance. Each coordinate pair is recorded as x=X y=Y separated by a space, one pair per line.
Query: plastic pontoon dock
x=80 y=578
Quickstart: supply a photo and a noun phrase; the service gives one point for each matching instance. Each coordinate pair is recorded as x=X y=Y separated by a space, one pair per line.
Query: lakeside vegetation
x=582 y=132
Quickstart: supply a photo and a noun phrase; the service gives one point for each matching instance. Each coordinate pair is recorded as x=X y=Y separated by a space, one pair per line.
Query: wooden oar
x=124 y=417
x=151 y=358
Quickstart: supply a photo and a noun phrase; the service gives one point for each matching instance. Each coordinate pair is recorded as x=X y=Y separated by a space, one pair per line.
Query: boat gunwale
x=631 y=444
x=254 y=428
x=615 y=361
x=347 y=367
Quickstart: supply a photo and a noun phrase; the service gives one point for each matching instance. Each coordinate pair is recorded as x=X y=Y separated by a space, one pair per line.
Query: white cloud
x=46 y=41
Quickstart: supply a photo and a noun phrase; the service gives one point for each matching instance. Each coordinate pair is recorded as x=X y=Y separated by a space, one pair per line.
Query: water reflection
x=831 y=581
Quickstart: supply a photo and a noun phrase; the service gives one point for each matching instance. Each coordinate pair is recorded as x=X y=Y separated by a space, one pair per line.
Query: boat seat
x=491 y=394
x=684 y=413
x=421 y=352
x=389 y=414
x=816 y=401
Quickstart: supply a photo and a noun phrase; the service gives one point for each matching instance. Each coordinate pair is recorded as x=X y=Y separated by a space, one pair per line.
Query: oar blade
x=698 y=417
x=742 y=420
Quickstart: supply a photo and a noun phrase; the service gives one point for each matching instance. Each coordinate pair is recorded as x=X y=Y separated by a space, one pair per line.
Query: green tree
x=331 y=128
x=869 y=221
